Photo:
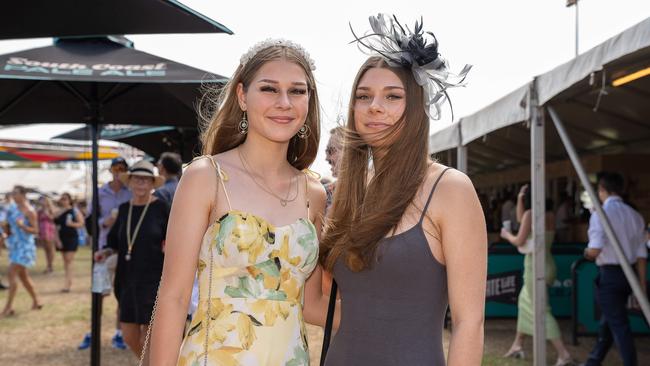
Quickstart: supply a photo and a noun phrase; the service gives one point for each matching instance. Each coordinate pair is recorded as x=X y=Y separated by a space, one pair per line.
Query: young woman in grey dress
x=406 y=235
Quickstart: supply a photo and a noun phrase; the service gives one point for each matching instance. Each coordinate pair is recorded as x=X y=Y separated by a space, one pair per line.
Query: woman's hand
x=522 y=192
x=505 y=233
x=102 y=254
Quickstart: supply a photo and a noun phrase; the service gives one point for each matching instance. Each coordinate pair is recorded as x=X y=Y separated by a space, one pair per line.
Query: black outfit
x=69 y=235
x=136 y=280
x=392 y=313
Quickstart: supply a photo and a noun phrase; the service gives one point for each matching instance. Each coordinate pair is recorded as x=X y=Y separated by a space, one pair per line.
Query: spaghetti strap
x=426 y=206
x=307 y=194
x=222 y=178
x=221 y=175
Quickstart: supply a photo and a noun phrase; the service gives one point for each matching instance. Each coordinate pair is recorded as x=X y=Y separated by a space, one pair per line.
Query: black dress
x=136 y=280
x=69 y=235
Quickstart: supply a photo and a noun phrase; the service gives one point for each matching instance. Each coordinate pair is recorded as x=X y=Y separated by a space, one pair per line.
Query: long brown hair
x=365 y=211
x=220 y=111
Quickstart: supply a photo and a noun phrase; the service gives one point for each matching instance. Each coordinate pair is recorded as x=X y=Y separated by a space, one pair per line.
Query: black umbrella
x=79 y=80
x=96 y=80
x=153 y=140
x=66 y=18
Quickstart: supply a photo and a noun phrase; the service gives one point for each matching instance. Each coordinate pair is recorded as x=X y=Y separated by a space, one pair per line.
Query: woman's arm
x=31 y=225
x=522 y=235
x=187 y=223
x=316 y=302
x=78 y=221
x=49 y=211
x=520 y=202
x=464 y=246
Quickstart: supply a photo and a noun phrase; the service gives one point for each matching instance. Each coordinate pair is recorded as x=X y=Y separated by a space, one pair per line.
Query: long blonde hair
x=220 y=111
x=365 y=211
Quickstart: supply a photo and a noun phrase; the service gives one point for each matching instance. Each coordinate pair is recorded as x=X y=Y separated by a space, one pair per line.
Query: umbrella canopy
x=50 y=152
x=153 y=140
x=67 y=18
x=102 y=79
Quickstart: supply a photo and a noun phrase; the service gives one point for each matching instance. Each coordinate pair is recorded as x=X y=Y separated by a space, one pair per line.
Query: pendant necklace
x=130 y=239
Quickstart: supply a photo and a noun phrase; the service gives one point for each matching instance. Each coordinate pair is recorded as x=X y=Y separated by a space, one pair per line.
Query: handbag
x=329 y=322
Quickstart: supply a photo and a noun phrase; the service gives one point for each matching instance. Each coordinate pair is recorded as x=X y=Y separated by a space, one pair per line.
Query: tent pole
x=96 y=307
x=538 y=185
x=96 y=315
x=609 y=231
x=461 y=158
x=461 y=153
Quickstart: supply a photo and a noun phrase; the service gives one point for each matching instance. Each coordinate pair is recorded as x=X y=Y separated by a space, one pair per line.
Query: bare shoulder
x=453 y=181
x=201 y=171
x=454 y=191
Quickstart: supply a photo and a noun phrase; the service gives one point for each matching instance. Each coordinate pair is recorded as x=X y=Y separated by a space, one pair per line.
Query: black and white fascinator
x=417 y=50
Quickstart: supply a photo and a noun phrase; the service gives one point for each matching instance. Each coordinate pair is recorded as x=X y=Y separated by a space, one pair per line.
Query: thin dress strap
x=426 y=206
x=307 y=194
x=222 y=177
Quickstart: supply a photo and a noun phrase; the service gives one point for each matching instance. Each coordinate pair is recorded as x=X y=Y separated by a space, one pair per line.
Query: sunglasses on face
x=331 y=150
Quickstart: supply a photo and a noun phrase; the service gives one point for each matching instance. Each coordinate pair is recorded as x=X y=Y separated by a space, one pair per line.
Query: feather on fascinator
x=417 y=50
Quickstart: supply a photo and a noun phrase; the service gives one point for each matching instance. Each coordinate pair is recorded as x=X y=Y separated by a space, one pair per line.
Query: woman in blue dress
x=23 y=225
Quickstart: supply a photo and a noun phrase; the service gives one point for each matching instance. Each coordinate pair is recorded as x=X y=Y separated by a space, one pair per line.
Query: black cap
x=119 y=160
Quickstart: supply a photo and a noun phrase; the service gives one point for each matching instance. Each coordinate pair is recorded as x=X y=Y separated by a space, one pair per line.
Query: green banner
x=505 y=278
x=588 y=309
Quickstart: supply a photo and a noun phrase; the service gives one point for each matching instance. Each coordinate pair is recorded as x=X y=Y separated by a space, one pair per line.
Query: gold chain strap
x=153 y=314
x=207 y=310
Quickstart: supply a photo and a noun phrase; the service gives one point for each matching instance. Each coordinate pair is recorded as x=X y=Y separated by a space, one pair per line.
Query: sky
x=508 y=42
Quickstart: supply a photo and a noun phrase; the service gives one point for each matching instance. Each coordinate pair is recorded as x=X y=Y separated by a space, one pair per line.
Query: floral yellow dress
x=251 y=279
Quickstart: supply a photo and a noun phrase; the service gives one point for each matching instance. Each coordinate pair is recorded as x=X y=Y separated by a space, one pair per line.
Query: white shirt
x=629 y=227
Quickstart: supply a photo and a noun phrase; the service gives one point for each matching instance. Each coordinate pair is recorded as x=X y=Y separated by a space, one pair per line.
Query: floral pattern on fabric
x=21 y=244
x=253 y=315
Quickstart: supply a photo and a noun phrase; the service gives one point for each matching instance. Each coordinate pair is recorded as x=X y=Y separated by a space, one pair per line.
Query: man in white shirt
x=613 y=288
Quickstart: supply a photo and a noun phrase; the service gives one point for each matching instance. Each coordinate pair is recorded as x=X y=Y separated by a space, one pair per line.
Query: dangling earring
x=243 y=125
x=303 y=132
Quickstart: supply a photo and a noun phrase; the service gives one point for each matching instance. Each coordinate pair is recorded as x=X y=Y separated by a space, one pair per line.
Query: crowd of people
x=62 y=226
x=612 y=287
x=26 y=225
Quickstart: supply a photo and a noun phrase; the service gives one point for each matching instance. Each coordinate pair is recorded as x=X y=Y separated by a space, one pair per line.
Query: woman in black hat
x=138 y=238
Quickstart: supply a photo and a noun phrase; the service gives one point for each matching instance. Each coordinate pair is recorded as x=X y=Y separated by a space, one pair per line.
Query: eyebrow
x=276 y=82
x=390 y=87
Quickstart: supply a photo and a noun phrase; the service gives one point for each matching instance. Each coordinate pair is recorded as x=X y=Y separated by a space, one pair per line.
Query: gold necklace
x=283 y=201
x=130 y=239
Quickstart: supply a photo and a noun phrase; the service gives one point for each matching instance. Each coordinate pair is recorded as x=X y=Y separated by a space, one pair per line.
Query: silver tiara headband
x=272 y=42
x=400 y=46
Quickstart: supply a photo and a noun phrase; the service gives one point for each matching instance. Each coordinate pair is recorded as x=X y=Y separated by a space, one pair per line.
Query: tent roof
x=625 y=50
x=445 y=138
x=503 y=112
x=600 y=118
x=630 y=41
